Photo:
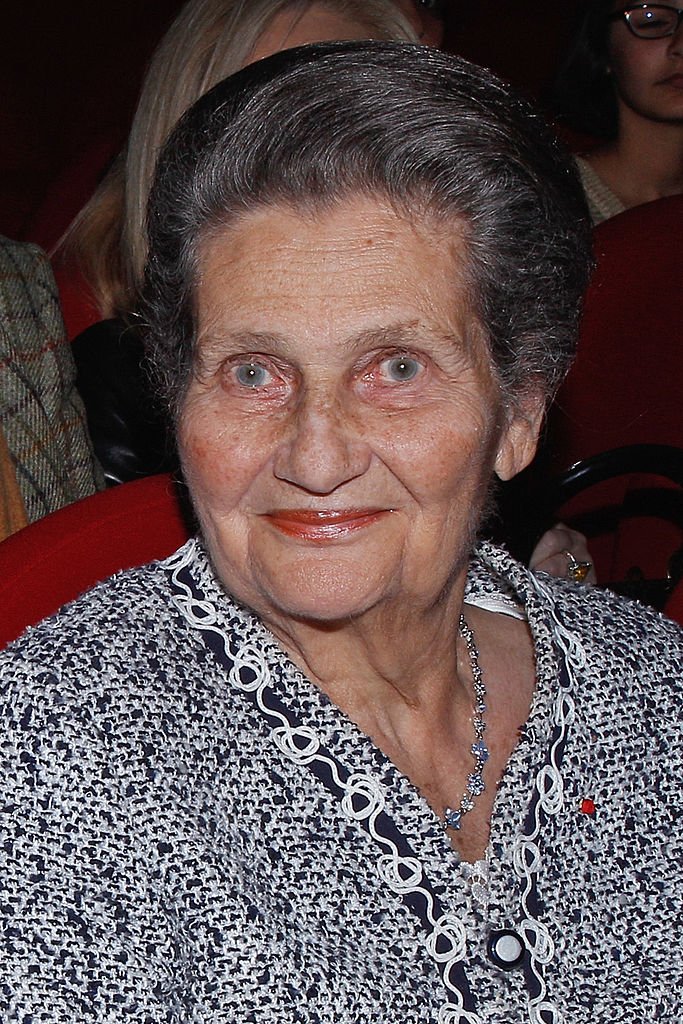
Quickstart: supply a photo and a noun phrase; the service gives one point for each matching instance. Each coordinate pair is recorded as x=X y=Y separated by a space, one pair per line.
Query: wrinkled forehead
x=359 y=212
x=357 y=270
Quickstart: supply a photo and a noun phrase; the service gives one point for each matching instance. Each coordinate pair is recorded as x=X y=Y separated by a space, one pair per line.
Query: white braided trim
x=549 y=787
x=362 y=801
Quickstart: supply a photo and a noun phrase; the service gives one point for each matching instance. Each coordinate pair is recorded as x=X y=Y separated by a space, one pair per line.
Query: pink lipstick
x=322 y=525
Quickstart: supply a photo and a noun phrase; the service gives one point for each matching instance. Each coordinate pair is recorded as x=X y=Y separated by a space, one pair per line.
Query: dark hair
x=435 y=135
x=583 y=92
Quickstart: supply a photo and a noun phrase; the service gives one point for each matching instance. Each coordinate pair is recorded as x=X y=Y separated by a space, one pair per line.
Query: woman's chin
x=321 y=590
x=325 y=582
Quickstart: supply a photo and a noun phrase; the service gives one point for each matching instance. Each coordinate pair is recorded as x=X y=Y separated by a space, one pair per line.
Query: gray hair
x=433 y=134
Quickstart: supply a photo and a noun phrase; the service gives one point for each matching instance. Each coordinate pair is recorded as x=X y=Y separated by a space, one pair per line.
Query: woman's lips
x=674 y=80
x=323 y=524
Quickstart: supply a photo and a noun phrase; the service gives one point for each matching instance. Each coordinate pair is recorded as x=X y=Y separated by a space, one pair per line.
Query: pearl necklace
x=480 y=752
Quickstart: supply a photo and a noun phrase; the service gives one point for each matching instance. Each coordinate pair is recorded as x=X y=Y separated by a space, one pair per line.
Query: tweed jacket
x=41 y=414
x=192 y=833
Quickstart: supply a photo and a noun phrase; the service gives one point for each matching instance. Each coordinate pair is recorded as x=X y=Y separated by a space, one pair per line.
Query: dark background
x=70 y=74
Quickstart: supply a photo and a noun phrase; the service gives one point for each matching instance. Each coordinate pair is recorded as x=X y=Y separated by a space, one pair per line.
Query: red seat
x=71 y=190
x=79 y=308
x=63 y=199
x=56 y=558
x=674 y=605
x=626 y=386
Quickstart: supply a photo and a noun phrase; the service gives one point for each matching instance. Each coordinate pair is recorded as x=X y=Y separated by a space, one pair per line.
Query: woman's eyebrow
x=402 y=334
x=397 y=335
x=215 y=340
x=412 y=334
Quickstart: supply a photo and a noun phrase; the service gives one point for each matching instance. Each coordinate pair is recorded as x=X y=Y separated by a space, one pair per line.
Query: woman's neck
x=387 y=663
x=644 y=162
x=408 y=685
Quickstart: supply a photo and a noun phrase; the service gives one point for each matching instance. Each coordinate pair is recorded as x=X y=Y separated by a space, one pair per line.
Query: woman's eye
x=252 y=375
x=400 y=368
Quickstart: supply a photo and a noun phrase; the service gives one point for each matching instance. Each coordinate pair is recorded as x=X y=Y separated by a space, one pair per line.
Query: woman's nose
x=323 y=449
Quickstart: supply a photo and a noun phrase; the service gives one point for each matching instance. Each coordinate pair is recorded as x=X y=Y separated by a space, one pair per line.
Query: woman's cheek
x=222 y=454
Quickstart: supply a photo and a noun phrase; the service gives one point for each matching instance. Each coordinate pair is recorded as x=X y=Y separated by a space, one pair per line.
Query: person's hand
x=563 y=552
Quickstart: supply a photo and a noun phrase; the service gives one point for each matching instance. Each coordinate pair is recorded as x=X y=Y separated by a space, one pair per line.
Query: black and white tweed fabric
x=191 y=833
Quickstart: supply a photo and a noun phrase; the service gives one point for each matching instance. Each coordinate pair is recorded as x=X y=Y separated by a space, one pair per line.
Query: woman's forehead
x=351 y=211
x=356 y=267
x=353 y=231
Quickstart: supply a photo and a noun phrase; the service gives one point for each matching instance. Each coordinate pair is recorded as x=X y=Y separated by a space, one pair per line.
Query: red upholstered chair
x=79 y=308
x=71 y=189
x=63 y=199
x=626 y=386
x=56 y=558
x=674 y=605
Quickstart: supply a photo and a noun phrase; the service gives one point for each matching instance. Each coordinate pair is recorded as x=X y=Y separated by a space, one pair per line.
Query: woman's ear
x=519 y=438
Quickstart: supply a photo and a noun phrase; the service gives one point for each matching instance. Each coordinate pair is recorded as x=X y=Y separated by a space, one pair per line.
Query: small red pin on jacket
x=587 y=806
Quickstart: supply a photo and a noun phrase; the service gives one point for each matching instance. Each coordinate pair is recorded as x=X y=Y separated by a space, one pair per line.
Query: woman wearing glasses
x=623 y=83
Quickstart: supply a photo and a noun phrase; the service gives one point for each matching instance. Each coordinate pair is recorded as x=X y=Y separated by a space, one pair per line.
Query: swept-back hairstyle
x=583 y=92
x=209 y=40
x=436 y=136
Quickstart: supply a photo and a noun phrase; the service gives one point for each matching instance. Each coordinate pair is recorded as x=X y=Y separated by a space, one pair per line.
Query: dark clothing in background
x=127 y=427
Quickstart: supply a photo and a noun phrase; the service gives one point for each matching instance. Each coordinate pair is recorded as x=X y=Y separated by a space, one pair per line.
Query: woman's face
x=647 y=73
x=342 y=425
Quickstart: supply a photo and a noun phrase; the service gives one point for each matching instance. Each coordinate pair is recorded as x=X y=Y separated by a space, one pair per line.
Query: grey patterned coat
x=190 y=833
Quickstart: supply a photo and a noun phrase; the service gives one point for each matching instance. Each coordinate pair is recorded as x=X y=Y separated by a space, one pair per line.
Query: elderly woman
x=333 y=762
x=209 y=40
